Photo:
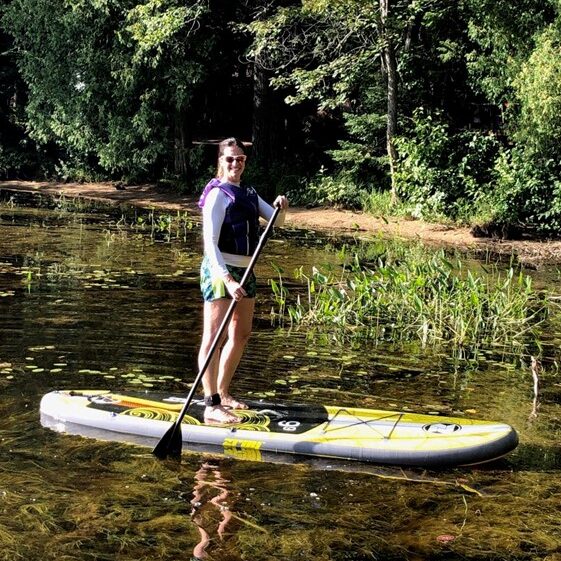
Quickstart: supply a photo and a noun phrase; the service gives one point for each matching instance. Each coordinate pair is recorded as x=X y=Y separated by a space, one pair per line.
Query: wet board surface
x=367 y=435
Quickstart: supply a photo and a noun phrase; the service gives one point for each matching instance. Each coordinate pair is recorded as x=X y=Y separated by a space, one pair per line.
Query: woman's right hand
x=235 y=289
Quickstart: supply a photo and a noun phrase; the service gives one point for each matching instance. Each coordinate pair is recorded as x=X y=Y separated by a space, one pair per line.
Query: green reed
x=164 y=226
x=415 y=295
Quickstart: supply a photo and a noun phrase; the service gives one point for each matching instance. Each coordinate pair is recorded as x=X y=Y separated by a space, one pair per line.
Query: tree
x=347 y=56
x=321 y=53
x=538 y=92
x=15 y=155
x=268 y=115
x=109 y=82
x=514 y=62
x=501 y=40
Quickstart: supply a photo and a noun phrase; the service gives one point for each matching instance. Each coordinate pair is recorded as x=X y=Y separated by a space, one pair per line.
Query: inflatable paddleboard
x=368 y=435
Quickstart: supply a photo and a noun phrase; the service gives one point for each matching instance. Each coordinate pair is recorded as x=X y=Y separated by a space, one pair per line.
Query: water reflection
x=212 y=509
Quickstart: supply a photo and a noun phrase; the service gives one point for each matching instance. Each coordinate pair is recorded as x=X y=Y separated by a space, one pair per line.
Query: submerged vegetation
x=406 y=293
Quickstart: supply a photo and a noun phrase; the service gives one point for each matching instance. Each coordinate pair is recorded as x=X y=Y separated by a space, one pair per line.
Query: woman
x=231 y=214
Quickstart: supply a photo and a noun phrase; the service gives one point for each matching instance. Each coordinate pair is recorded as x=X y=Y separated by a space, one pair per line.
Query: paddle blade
x=170 y=444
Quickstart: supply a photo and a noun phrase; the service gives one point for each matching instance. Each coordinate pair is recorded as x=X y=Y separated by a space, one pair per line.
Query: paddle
x=170 y=444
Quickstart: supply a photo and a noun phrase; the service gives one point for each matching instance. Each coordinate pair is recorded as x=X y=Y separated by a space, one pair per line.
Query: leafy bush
x=442 y=173
x=338 y=190
x=16 y=162
x=538 y=88
x=75 y=169
x=527 y=193
x=468 y=176
x=278 y=179
x=363 y=156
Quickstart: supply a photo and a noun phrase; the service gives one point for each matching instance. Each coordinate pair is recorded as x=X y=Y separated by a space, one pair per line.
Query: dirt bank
x=333 y=221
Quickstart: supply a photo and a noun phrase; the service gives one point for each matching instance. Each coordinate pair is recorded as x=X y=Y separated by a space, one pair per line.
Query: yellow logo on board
x=243 y=449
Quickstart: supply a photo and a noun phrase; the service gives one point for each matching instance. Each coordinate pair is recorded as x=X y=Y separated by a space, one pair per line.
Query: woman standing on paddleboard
x=231 y=212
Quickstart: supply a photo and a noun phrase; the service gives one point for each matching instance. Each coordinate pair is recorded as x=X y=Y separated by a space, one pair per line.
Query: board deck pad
x=261 y=416
x=387 y=437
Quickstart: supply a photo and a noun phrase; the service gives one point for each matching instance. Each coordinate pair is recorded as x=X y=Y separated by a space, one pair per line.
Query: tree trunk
x=391 y=131
x=390 y=62
x=181 y=144
x=260 y=129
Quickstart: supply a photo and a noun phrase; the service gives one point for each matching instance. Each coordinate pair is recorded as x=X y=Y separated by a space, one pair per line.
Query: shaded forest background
x=441 y=109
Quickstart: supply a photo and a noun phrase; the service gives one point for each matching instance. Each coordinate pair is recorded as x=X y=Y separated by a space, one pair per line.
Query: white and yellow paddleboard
x=386 y=437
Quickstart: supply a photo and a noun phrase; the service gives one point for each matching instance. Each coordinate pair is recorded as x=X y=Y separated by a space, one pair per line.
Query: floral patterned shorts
x=213 y=290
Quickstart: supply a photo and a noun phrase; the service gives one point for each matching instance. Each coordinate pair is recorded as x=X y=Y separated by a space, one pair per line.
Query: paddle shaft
x=170 y=444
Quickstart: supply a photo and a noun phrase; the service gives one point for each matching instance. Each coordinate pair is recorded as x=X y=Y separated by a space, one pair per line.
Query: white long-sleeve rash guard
x=214 y=212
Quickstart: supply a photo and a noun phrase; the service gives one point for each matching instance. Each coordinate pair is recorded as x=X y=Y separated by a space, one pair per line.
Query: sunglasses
x=232 y=159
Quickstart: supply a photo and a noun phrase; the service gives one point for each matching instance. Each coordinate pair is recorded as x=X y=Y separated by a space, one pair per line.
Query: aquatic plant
x=416 y=295
x=164 y=225
x=71 y=204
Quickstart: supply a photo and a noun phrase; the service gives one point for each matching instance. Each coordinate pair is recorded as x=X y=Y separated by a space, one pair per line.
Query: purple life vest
x=239 y=234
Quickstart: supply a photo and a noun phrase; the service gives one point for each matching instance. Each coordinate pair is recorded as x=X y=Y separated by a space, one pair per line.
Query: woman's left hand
x=281 y=201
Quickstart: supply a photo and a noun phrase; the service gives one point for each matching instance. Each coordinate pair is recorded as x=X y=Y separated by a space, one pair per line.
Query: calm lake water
x=93 y=298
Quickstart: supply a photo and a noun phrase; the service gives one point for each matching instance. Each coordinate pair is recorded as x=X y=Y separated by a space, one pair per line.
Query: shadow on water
x=88 y=303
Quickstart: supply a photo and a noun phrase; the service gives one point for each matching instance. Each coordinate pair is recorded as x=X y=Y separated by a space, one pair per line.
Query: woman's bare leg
x=239 y=332
x=214 y=313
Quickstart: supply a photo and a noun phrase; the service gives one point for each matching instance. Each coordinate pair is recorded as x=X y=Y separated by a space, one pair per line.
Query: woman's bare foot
x=230 y=403
x=218 y=415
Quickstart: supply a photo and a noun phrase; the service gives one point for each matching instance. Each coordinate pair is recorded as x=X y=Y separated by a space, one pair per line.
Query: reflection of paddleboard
x=388 y=437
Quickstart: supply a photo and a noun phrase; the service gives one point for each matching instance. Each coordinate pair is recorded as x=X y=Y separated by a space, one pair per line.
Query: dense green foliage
x=442 y=173
x=452 y=105
x=107 y=79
